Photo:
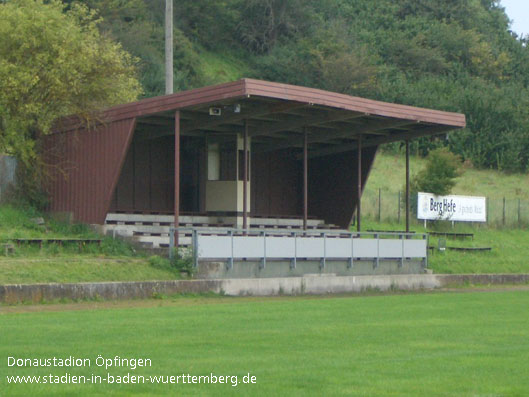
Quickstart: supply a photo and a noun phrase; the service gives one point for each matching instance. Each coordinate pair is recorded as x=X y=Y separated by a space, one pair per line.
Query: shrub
x=442 y=168
x=181 y=262
x=438 y=177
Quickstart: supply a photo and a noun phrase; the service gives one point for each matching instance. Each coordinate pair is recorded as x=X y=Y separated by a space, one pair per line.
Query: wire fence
x=387 y=206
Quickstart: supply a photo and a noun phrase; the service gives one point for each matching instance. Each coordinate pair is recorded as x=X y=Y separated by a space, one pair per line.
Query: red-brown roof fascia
x=249 y=87
x=347 y=102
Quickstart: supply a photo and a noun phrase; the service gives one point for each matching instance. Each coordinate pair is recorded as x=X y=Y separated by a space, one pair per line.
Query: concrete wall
x=254 y=269
x=314 y=284
x=16 y=293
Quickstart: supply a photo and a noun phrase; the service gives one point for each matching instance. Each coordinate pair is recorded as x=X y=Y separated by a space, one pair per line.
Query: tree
x=263 y=22
x=439 y=175
x=54 y=63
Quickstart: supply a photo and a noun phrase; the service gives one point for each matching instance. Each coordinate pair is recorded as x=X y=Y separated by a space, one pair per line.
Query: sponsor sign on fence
x=451 y=208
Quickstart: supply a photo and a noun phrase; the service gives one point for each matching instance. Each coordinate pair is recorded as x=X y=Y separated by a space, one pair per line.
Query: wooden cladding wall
x=82 y=168
x=146 y=182
x=276 y=183
x=93 y=172
x=333 y=185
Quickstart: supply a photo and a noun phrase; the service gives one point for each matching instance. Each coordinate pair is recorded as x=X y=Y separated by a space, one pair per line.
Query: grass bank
x=509 y=254
x=79 y=268
x=113 y=260
x=462 y=344
x=118 y=261
x=509 y=243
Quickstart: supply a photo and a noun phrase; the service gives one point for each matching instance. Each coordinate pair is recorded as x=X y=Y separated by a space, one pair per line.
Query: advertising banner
x=451 y=208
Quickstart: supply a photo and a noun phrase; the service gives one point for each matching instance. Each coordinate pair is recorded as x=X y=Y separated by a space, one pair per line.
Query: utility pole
x=168 y=47
x=408 y=187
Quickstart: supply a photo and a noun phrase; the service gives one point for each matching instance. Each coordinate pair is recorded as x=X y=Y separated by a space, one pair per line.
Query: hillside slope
x=445 y=54
x=388 y=174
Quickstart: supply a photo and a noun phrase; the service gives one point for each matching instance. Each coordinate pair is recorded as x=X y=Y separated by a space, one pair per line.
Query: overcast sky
x=518 y=12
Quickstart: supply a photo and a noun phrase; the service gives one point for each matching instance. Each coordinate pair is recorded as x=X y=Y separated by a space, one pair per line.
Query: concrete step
x=264 y=222
x=152 y=231
x=130 y=230
x=162 y=242
x=201 y=220
x=113 y=218
x=148 y=237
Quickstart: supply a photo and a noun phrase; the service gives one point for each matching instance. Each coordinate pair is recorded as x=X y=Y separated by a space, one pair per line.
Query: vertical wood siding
x=333 y=185
x=82 y=168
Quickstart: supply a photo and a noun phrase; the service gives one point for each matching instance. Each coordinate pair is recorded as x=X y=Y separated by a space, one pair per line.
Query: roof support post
x=305 y=179
x=359 y=187
x=176 y=174
x=245 y=178
x=407 y=185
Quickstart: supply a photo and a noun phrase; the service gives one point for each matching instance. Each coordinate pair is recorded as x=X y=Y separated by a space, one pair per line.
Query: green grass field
x=431 y=344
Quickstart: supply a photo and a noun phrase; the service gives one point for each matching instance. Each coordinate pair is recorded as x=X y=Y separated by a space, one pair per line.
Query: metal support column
x=245 y=178
x=176 y=175
x=359 y=187
x=305 y=179
x=407 y=186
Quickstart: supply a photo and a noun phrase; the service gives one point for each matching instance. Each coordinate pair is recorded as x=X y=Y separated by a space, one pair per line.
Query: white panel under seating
x=339 y=247
x=214 y=247
x=310 y=247
x=281 y=247
x=248 y=247
x=365 y=248
x=390 y=248
x=415 y=248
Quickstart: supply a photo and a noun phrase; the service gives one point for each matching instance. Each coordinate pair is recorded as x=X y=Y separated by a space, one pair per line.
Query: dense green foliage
x=435 y=344
x=455 y=55
x=55 y=63
x=439 y=174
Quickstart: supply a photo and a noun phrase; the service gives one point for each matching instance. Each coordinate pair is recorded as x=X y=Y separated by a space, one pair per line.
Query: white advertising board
x=451 y=208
